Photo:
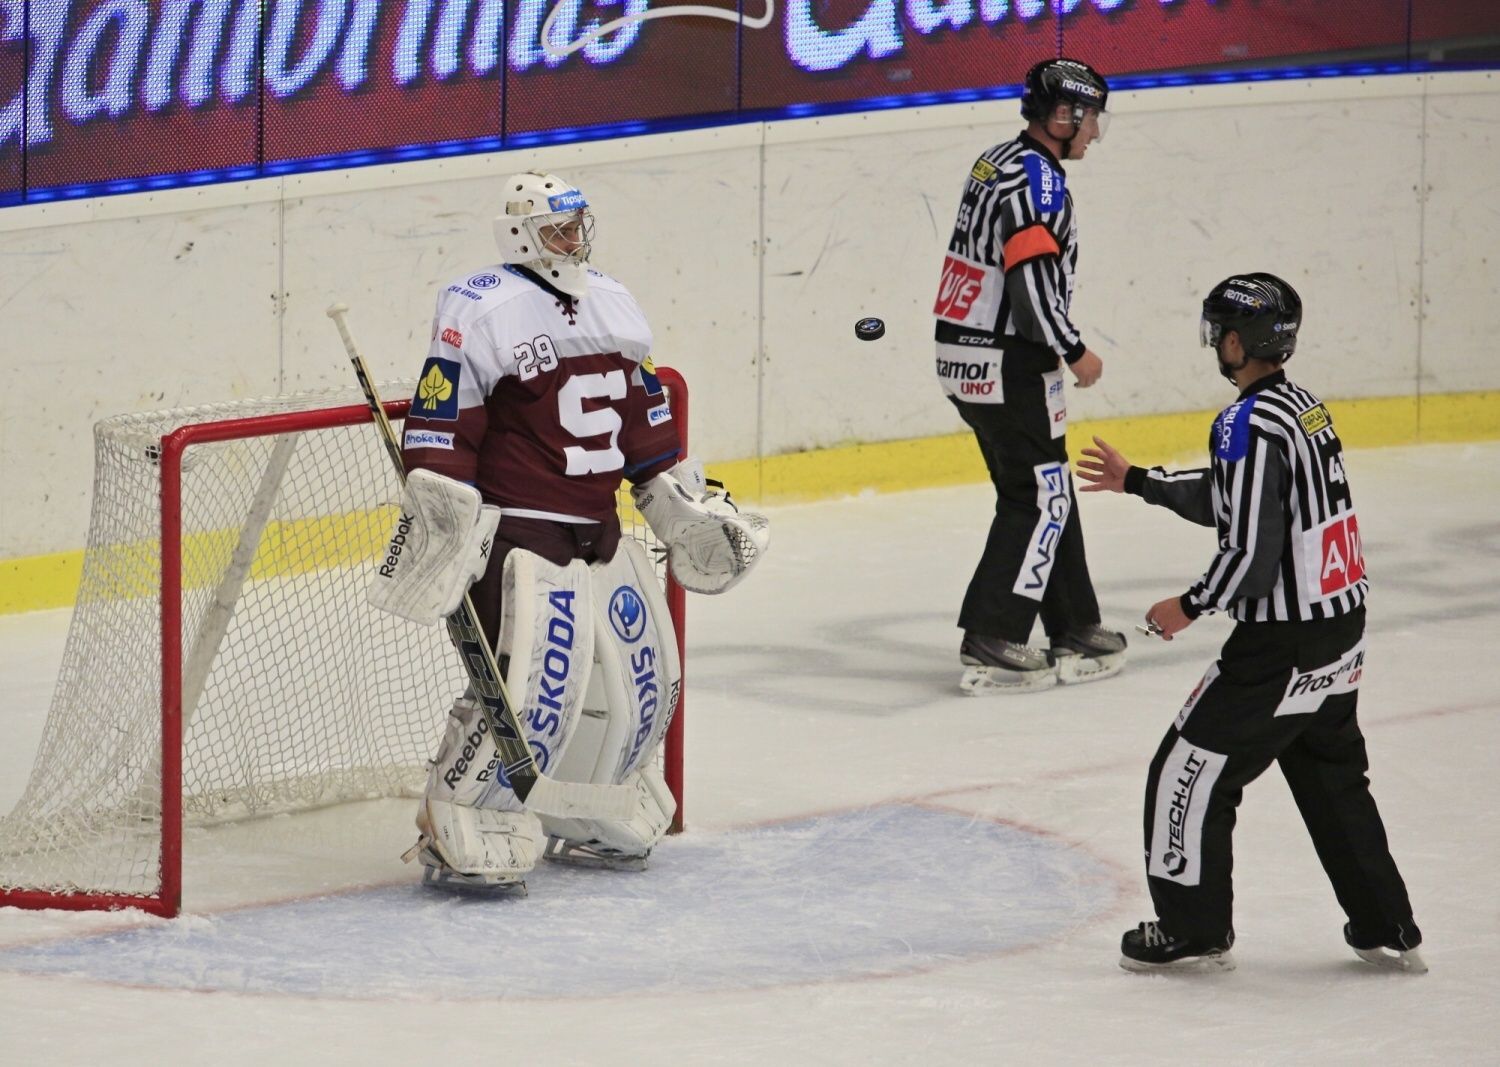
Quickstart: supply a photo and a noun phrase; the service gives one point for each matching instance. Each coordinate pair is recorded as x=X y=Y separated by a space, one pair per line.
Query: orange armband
x=1028 y=244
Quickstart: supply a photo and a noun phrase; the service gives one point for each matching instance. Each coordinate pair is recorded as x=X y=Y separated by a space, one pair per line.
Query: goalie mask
x=546 y=227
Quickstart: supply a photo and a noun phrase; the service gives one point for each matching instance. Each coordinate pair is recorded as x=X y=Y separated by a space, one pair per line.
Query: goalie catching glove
x=711 y=544
x=440 y=547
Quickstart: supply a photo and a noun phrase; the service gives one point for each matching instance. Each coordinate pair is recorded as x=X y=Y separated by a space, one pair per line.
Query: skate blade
x=982 y=681
x=1077 y=669
x=1409 y=961
x=438 y=875
x=1206 y=964
x=576 y=855
x=448 y=880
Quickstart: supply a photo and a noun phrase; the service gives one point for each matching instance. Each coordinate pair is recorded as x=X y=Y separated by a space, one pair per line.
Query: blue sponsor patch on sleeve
x=1230 y=436
x=437 y=390
x=1046 y=182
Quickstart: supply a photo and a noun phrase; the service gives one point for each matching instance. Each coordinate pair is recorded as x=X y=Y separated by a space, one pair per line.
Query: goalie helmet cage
x=222 y=663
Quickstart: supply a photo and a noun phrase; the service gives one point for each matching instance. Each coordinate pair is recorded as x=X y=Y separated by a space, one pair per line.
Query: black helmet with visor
x=1065 y=81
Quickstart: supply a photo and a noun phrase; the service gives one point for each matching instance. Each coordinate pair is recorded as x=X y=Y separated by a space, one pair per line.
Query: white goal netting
x=295 y=694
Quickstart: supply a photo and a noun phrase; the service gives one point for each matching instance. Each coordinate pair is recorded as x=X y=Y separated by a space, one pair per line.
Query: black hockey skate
x=1149 y=948
x=1087 y=654
x=995 y=665
x=1396 y=952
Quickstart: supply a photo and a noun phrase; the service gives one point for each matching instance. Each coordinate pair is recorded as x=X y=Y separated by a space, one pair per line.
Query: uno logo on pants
x=1182 y=792
x=970 y=374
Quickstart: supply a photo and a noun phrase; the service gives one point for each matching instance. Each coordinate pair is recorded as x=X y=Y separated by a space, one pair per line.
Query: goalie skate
x=580 y=854
x=438 y=875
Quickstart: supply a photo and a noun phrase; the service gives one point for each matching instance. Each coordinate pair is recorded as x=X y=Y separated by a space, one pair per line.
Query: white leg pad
x=463 y=771
x=470 y=822
x=481 y=846
x=636 y=836
x=548 y=632
x=635 y=658
x=629 y=704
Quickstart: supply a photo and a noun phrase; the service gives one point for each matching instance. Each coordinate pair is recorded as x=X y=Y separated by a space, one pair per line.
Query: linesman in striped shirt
x=1290 y=571
x=1003 y=338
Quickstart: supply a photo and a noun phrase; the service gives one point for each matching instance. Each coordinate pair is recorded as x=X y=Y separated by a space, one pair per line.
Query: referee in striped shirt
x=1003 y=337
x=1290 y=570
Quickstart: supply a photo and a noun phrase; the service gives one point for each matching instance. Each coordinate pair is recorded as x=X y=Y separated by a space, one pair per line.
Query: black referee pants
x=1229 y=732
x=1033 y=561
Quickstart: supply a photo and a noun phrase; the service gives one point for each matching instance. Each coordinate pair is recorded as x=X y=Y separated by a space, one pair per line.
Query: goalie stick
x=542 y=795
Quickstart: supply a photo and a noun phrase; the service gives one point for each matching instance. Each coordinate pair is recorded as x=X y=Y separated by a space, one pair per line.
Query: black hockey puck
x=869 y=329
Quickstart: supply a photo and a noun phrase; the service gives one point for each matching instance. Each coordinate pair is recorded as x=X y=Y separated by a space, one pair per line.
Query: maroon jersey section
x=560 y=441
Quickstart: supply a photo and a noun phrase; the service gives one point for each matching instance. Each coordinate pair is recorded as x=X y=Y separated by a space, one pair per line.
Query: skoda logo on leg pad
x=627 y=614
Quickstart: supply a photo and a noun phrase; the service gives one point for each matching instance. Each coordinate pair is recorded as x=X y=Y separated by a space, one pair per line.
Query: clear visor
x=1096 y=122
x=1209 y=333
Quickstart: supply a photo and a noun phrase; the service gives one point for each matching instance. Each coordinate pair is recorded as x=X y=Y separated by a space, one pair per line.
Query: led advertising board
x=98 y=96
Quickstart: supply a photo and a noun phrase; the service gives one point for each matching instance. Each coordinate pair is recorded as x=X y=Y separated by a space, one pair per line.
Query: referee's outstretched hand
x=1103 y=468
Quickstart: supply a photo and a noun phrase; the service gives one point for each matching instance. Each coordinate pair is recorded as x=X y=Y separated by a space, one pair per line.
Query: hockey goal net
x=222 y=663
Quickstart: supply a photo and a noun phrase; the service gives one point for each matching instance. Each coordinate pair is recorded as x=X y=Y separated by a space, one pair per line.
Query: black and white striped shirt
x=1008 y=274
x=1289 y=543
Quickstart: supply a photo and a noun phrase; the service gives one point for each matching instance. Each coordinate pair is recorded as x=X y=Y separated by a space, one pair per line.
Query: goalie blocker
x=440 y=547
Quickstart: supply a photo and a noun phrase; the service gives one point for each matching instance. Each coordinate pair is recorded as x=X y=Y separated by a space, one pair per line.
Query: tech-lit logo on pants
x=1182 y=794
x=1053 y=500
x=627 y=614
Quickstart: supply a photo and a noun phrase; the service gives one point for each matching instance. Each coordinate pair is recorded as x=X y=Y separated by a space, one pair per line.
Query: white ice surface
x=877 y=870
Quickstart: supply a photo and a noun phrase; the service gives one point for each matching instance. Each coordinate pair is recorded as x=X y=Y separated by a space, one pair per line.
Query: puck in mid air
x=869 y=329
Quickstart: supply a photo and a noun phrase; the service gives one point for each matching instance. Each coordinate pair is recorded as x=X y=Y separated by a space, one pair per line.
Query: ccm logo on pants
x=1053 y=504
x=1182 y=791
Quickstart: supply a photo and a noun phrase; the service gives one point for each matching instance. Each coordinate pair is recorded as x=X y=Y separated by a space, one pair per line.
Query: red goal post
x=236 y=538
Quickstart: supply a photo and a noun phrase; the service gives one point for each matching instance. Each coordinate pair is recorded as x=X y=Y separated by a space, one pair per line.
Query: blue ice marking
x=887 y=890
